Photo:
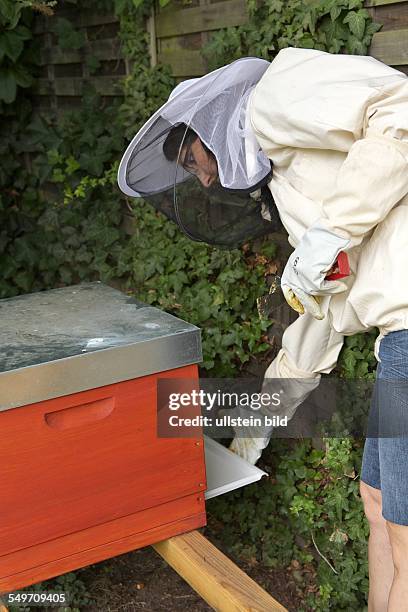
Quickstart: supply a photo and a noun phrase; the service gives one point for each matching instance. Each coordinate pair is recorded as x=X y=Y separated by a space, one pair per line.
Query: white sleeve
x=370 y=182
x=310 y=347
x=352 y=104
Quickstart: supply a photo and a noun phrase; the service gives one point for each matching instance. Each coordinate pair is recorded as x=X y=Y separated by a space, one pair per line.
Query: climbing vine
x=328 y=25
x=61 y=221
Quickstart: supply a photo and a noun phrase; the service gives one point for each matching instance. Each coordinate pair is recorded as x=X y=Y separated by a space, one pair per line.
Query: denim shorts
x=385 y=458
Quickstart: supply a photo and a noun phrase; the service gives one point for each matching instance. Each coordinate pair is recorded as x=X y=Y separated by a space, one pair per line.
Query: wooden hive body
x=85 y=476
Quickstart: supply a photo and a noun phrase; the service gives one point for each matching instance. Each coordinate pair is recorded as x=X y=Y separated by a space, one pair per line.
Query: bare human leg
x=380 y=559
x=398 y=600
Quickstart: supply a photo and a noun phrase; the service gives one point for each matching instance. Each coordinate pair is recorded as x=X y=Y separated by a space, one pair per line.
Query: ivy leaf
x=92 y=164
x=71 y=165
x=357 y=22
x=12 y=45
x=349 y=360
x=371 y=29
x=356 y=46
x=22 y=76
x=335 y=12
x=275 y=5
x=8 y=86
x=10 y=12
x=354 y=4
x=68 y=37
x=335 y=31
x=361 y=369
x=93 y=64
x=306 y=42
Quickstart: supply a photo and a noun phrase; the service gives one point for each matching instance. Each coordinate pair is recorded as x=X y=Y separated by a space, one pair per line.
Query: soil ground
x=142 y=580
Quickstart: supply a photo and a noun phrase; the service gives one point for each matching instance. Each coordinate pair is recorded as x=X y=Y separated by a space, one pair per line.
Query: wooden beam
x=382 y=2
x=184 y=62
x=107 y=49
x=391 y=47
x=151 y=29
x=80 y=20
x=223 y=585
x=73 y=86
x=202 y=18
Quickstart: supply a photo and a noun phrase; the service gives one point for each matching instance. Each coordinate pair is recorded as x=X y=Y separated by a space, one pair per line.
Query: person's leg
x=393 y=454
x=393 y=458
x=380 y=561
x=398 y=600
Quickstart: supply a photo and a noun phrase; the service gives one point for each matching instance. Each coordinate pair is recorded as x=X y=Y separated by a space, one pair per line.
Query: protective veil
x=229 y=212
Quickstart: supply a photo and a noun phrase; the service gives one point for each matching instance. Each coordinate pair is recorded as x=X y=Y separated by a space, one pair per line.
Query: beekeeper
x=319 y=143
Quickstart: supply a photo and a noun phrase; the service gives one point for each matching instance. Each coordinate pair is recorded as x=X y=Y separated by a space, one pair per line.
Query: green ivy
x=16 y=61
x=214 y=289
x=329 y=25
x=70 y=584
x=61 y=218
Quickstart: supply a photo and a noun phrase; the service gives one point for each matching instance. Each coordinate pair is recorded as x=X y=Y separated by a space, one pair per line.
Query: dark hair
x=175 y=137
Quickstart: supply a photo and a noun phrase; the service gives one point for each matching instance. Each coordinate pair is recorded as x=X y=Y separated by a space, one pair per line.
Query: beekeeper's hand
x=249 y=449
x=249 y=441
x=304 y=275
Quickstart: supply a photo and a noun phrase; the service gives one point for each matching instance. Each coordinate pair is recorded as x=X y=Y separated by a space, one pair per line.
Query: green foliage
x=68 y=36
x=310 y=508
x=214 y=289
x=18 y=53
x=328 y=25
x=145 y=88
x=80 y=232
x=61 y=222
x=357 y=358
x=15 y=61
x=70 y=583
x=44 y=243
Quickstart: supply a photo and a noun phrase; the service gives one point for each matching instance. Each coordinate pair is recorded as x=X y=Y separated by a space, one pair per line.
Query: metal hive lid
x=85 y=336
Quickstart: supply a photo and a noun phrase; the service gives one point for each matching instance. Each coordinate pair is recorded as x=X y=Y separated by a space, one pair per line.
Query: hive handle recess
x=76 y=416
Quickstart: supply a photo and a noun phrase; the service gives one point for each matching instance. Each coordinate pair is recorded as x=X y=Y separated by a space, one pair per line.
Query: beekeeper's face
x=201 y=162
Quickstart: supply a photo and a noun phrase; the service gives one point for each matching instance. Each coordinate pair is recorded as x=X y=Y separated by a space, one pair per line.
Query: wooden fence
x=178 y=32
x=64 y=72
x=177 y=35
x=390 y=45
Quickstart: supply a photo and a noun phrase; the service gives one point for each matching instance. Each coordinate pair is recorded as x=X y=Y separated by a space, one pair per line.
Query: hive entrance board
x=225 y=470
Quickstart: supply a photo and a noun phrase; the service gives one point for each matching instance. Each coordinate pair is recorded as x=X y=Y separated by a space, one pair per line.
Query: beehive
x=84 y=475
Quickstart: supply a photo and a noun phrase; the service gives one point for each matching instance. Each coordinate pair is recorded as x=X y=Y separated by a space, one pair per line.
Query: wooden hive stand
x=221 y=583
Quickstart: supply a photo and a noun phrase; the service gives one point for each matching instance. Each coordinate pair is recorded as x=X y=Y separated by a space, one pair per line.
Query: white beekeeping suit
x=336 y=128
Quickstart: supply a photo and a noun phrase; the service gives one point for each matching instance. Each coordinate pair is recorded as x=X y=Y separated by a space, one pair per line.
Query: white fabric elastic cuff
x=315 y=254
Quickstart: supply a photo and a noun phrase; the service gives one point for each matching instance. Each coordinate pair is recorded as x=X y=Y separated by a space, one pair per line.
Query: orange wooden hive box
x=84 y=475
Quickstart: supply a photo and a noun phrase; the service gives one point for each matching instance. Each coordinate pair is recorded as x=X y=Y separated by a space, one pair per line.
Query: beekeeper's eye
x=189 y=162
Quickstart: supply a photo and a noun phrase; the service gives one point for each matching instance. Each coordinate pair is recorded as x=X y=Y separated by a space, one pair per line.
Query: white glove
x=249 y=442
x=305 y=271
x=249 y=449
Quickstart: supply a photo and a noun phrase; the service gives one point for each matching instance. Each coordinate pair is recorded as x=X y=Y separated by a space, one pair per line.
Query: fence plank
x=202 y=18
x=391 y=47
x=151 y=29
x=80 y=20
x=184 y=63
x=106 y=86
x=382 y=2
x=188 y=42
x=391 y=16
x=102 y=49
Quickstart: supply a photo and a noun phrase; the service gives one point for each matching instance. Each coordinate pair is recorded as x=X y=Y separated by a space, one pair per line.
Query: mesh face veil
x=228 y=212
